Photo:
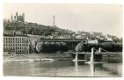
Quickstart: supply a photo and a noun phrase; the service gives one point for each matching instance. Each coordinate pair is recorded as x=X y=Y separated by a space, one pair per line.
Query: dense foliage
x=35 y=29
x=49 y=47
x=110 y=47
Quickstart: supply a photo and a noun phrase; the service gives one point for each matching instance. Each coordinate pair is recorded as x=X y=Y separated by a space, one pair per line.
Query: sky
x=105 y=18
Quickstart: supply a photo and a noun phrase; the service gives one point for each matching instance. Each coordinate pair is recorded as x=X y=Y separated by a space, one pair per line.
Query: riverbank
x=106 y=57
x=111 y=57
x=37 y=57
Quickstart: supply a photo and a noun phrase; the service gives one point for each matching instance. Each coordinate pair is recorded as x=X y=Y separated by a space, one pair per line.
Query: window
x=20 y=39
x=4 y=40
x=25 y=40
x=16 y=40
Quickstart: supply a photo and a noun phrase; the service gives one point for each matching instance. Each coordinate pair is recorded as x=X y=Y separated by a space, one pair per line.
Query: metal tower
x=53 y=20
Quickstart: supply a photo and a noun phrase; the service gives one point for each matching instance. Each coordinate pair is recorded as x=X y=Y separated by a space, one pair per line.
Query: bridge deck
x=100 y=53
x=62 y=40
x=87 y=53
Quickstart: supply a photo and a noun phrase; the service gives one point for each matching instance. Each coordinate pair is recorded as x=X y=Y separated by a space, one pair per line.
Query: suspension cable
x=104 y=50
x=96 y=49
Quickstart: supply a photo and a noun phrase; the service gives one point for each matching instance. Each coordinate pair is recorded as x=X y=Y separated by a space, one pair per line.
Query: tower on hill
x=18 y=18
x=54 y=21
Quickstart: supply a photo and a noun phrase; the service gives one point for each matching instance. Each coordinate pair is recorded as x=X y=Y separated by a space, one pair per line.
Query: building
x=18 y=18
x=92 y=41
x=16 y=44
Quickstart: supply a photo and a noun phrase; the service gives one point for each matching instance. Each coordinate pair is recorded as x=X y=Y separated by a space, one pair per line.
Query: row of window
x=16 y=46
x=15 y=40
x=13 y=50
x=9 y=41
x=11 y=45
x=22 y=48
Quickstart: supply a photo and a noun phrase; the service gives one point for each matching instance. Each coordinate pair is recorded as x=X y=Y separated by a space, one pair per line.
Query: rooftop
x=11 y=33
x=14 y=35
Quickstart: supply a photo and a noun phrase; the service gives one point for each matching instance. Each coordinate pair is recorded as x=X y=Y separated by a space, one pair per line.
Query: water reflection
x=98 y=69
x=61 y=68
x=76 y=67
x=92 y=69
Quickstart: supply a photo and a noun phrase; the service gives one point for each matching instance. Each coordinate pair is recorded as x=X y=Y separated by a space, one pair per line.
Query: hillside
x=34 y=28
x=46 y=31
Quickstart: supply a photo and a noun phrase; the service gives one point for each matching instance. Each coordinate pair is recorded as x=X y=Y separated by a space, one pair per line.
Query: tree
x=39 y=46
x=111 y=47
x=79 y=46
x=23 y=31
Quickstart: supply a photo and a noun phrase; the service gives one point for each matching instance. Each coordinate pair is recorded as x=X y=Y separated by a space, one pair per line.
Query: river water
x=62 y=68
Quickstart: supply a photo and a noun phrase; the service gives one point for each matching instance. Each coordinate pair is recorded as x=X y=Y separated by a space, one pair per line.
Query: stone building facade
x=16 y=44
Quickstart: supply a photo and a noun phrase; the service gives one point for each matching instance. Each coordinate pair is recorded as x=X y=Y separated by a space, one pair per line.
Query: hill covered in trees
x=34 y=28
x=47 y=31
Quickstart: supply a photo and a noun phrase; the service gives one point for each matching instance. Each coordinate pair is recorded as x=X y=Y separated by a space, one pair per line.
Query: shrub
x=111 y=47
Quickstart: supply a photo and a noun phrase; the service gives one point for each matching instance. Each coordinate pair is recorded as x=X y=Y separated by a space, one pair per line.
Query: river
x=62 y=68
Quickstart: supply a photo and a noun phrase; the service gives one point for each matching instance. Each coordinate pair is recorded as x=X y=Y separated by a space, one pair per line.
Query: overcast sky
x=76 y=17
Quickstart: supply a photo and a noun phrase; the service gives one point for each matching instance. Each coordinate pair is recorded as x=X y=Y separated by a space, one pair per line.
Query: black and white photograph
x=62 y=40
